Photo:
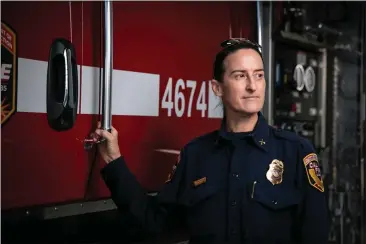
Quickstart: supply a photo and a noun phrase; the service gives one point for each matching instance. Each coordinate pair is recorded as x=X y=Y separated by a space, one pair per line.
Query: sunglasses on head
x=237 y=41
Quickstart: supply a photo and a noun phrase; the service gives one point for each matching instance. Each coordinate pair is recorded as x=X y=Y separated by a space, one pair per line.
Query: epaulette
x=285 y=134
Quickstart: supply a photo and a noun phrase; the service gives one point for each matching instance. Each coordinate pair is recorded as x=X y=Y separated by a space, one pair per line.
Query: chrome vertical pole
x=260 y=22
x=108 y=66
x=265 y=28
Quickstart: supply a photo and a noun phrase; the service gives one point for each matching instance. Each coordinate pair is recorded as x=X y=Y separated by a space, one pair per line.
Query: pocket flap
x=276 y=197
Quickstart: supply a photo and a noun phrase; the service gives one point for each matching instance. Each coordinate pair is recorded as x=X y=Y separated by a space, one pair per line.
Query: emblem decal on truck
x=9 y=72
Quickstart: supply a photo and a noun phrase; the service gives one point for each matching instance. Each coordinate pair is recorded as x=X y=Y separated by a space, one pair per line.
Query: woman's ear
x=217 y=88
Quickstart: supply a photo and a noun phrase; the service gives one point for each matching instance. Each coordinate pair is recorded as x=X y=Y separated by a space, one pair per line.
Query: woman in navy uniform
x=244 y=183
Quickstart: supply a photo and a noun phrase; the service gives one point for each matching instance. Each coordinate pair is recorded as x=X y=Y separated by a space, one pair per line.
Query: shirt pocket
x=272 y=210
x=275 y=197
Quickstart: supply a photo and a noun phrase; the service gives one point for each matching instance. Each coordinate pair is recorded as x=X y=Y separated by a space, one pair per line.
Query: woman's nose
x=251 y=85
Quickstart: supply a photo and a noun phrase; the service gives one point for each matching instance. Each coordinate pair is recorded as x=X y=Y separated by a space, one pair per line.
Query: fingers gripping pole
x=108 y=66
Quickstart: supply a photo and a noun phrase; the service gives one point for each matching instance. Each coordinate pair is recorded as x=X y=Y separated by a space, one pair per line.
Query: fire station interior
x=315 y=72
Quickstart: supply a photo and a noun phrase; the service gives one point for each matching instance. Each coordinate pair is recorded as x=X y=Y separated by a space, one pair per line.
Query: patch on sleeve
x=313 y=171
x=172 y=173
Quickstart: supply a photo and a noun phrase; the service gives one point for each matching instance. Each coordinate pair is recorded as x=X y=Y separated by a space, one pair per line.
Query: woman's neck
x=240 y=123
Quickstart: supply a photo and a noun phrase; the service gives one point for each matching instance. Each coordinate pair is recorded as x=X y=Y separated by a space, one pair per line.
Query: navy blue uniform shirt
x=262 y=187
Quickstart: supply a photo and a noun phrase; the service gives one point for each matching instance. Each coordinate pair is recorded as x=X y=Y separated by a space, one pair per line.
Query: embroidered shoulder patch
x=313 y=172
x=172 y=173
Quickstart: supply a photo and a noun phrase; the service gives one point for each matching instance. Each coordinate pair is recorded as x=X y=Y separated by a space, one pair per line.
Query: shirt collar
x=260 y=134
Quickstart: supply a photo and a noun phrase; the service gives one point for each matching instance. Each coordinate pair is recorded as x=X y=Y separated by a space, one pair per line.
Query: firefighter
x=246 y=182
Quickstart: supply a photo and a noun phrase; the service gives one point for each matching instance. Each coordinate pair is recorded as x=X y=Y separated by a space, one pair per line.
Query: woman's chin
x=251 y=110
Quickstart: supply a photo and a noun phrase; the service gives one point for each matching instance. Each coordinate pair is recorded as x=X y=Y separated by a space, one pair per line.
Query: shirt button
x=236 y=175
x=233 y=203
x=274 y=202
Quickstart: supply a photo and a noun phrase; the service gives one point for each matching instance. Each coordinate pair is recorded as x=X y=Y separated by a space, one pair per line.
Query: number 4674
x=179 y=103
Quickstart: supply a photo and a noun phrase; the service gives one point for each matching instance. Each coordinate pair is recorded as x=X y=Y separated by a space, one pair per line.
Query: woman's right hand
x=108 y=149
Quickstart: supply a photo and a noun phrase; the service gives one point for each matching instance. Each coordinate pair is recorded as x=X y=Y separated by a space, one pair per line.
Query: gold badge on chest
x=275 y=172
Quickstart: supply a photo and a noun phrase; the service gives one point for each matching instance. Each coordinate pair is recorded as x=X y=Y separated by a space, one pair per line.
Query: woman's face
x=243 y=86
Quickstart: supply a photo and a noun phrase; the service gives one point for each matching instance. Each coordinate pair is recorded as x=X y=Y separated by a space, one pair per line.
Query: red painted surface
x=176 y=39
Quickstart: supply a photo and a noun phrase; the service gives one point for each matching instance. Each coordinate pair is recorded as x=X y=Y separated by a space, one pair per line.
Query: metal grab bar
x=108 y=66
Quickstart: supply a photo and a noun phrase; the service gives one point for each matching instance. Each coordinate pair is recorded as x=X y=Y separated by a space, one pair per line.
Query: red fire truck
x=161 y=57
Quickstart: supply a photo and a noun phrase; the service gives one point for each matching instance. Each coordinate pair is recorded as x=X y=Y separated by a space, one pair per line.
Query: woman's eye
x=259 y=76
x=240 y=76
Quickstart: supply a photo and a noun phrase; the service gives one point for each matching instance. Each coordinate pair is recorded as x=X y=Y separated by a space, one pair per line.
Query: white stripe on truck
x=134 y=93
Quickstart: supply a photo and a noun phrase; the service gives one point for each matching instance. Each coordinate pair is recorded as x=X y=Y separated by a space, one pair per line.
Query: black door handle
x=62 y=85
